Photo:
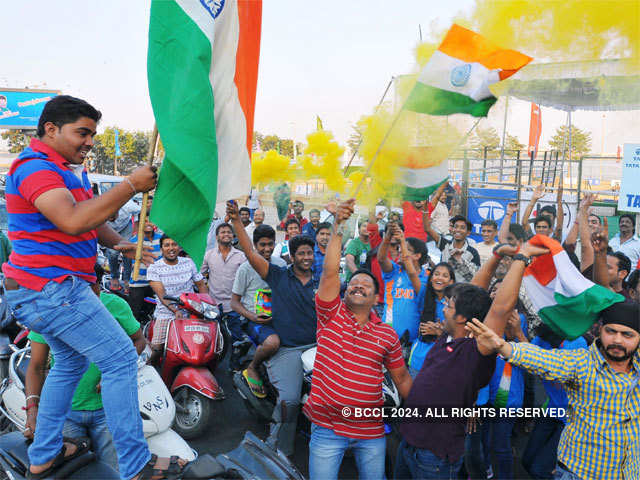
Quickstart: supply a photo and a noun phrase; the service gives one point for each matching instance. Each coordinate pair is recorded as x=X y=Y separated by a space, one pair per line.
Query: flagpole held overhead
x=143 y=212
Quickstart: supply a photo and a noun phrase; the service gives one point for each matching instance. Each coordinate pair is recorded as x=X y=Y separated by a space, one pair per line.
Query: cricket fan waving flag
x=202 y=70
x=455 y=80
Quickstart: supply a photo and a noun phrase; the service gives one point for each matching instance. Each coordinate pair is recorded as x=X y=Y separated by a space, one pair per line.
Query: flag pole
x=355 y=152
x=386 y=136
x=375 y=155
x=143 y=212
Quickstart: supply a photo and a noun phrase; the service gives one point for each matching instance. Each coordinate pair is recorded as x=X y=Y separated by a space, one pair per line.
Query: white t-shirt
x=176 y=279
x=254 y=201
x=485 y=251
x=440 y=218
x=281 y=250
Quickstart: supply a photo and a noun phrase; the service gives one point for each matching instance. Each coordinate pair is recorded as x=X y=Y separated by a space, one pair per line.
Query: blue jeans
x=114 y=265
x=540 y=457
x=326 y=450
x=79 y=330
x=92 y=424
x=562 y=474
x=474 y=455
x=413 y=462
x=497 y=439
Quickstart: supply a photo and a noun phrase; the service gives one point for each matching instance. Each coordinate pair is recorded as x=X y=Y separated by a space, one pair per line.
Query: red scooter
x=197 y=341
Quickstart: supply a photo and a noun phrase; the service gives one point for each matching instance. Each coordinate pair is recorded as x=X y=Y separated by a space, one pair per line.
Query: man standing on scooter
x=86 y=418
x=55 y=225
x=353 y=346
x=294 y=320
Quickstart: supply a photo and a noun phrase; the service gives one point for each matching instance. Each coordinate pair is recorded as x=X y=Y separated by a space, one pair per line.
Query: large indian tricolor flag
x=458 y=75
x=563 y=298
x=202 y=69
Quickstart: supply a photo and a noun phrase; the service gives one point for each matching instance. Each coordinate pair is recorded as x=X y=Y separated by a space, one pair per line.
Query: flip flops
x=82 y=446
x=254 y=385
x=172 y=472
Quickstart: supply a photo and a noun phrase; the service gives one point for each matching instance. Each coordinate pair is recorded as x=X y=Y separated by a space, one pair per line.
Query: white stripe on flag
x=423 y=177
x=437 y=73
x=199 y=15
x=570 y=282
x=234 y=167
x=539 y=295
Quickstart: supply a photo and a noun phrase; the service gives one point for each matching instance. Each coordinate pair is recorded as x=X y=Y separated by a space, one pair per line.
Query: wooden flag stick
x=143 y=212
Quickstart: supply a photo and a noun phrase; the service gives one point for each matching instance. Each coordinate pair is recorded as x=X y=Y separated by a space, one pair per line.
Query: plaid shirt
x=318 y=263
x=602 y=436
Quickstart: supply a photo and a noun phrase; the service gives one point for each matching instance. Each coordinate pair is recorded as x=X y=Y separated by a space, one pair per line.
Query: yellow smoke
x=270 y=167
x=321 y=159
x=560 y=30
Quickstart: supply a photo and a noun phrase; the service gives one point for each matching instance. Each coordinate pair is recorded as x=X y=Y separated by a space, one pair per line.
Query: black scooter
x=252 y=459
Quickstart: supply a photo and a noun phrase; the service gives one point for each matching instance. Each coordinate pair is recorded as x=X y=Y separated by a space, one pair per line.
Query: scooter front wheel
x=193 y=411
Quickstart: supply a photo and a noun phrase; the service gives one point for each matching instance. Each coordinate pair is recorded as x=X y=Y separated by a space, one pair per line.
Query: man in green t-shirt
x=356 y=251
x=87 y=418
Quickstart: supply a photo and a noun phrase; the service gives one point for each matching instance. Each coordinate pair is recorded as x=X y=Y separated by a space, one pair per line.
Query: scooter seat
x=205 y=466
x=13 y=454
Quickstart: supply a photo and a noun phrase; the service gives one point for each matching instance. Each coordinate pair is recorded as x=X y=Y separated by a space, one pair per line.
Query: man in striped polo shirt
x=55 y=225
x=353 y=347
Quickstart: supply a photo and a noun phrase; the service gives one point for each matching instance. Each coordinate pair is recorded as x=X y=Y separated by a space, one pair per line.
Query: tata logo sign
x=214 y=7
x=491 y=210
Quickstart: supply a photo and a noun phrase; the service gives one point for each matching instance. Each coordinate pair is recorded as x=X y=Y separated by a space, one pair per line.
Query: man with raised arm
x=602 y=433
x=353 y=347
x=294 y=321
x=455 y=369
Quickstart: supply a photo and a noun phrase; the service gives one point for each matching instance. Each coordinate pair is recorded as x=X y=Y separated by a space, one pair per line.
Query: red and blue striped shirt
x=41 y=251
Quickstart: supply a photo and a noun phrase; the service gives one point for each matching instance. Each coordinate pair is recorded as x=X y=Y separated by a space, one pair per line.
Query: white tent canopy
x=588 y=85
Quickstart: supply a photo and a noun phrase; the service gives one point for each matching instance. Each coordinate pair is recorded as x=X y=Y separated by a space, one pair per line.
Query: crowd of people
x=412 y=294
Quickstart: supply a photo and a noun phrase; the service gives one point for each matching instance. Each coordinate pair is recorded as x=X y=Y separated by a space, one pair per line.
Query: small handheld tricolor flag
x=563 y=298
x=457 y=77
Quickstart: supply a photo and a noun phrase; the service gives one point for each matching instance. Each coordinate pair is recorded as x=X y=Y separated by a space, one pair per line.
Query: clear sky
x=332 y=58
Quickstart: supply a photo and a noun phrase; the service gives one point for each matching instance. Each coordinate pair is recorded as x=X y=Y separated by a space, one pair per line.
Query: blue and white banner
x=487 y=204
x=21 y=109
x=629 y=199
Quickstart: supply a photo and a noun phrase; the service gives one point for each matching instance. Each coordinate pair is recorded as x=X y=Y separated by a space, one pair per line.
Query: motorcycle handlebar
x=172 y=299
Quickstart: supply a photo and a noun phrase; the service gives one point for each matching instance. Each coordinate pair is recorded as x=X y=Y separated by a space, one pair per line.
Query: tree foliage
x=485 y=138
x=284 y=146
x=511 y=144
x=580 y=141
x=17 y=140
x=134 y=148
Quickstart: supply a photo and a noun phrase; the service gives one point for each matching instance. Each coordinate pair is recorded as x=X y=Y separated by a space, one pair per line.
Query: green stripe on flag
x=178 y=65
x=418 y=194
x=573 y=316
x=435 y=101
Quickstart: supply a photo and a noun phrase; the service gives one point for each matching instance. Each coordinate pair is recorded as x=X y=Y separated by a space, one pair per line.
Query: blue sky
x=332 y=58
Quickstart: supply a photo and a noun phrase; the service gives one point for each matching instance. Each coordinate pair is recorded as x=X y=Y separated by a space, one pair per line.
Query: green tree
x=134 y=147
x=512 y=144
x=486 y=138
x=257 y=140
x=17 y=140
x=580 y=141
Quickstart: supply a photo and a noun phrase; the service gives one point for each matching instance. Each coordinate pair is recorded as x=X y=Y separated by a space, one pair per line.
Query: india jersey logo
x=214 y=7
x=460 y=75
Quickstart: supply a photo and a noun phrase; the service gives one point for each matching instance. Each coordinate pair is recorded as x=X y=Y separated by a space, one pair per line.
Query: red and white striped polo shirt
x=348 y=369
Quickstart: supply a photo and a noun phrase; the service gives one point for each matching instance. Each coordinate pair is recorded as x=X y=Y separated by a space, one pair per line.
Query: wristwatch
x=524 y=258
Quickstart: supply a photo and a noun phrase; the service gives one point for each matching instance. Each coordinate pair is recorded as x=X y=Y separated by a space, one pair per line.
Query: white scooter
x=156 y=405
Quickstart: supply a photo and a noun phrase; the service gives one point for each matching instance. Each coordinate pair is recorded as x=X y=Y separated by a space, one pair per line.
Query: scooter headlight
x=209 y=311
x=197 y=306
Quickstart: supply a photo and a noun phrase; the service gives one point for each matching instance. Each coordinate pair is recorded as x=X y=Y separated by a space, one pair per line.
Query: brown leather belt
x=10 y=284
